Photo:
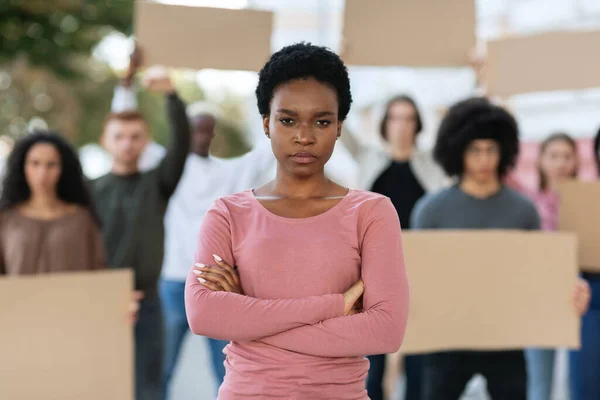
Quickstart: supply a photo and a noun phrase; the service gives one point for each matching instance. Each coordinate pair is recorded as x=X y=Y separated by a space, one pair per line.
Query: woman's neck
x=45 y=202
x=46 y=207
x=480 y=190
x=402 y=153
x=288 y=186
x=551 y=185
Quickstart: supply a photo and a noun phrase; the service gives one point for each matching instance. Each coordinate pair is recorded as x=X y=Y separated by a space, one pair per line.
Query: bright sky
x=115 y=50
x=234 y=4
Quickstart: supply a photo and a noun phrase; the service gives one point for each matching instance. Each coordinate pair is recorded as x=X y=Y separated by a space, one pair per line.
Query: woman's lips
x=304 y=158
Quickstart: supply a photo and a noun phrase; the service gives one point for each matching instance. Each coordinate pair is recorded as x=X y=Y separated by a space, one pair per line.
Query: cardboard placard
x=578 y=213
x=543 y=62
x=203 y=37
x=415 y=33
x=490 y=290
x=66 y=336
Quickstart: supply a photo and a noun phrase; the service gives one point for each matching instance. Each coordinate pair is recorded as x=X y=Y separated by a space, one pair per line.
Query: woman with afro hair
x=303 y=276
x=478 y=143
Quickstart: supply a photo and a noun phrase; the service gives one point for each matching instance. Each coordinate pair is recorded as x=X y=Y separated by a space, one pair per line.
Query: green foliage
x=50 y=32
x=47 y=72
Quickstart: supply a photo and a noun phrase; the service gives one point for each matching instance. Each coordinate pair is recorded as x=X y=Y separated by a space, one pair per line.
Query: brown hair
x=126 y=116
x=402 y=98
x=555 y=137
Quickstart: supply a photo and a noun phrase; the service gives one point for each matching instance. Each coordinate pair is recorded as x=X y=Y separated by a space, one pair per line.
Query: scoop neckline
x=263 y=210
x=77 y=211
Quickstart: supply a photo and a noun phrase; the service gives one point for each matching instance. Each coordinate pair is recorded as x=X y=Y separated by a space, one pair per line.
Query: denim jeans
x=176 y=327
x=585 y=363
x=148 y=350
x=540 y=371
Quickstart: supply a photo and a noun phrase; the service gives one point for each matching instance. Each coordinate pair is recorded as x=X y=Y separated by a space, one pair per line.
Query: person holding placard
x=186 y=208
x=125 y=99
x=404 y=174
x=584 y=364
x=48 y=222
x=205 y=179
x=477 y=143
x=304 y=276
x=131 y=206
x=399 y=128
x=557 y=162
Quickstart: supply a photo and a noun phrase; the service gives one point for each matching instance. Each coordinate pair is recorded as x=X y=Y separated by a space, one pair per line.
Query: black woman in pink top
x=303 y=276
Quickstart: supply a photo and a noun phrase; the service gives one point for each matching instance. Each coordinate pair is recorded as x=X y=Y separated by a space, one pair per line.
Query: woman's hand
x=581 y=297
x=219 y=278
x=224 y=278
x=353 y=298
x=134 y=306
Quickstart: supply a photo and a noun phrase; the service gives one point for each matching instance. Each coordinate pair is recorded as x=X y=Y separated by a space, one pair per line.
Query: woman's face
x=303 y=126
x=43 y=168
x=558 y=161
x=401 y=125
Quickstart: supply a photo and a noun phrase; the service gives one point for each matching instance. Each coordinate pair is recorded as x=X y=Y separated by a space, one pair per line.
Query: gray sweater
x=452 y=208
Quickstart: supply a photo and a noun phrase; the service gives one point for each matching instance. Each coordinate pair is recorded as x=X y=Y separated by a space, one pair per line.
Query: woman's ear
x=266 y=121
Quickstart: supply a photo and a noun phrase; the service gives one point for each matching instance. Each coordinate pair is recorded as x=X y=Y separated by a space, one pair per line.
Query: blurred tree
x=51 y=33
x=32 y=97
x=48 y=77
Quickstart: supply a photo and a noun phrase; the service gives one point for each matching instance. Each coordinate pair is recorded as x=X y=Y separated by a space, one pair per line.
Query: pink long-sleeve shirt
x=289 y=337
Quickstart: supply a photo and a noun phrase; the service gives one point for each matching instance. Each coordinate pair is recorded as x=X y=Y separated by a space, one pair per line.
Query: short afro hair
x=303 y=61
x=473 y=119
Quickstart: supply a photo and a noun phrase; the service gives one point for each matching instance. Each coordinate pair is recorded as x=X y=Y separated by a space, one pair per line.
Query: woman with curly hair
x=47 y=218
x=303 y=276
x=478 y=143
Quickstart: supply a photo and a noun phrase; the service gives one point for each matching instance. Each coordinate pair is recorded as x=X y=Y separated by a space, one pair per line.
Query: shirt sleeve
x=422 y=217
x=171 y=166
x=380 y=327
x=235 y=317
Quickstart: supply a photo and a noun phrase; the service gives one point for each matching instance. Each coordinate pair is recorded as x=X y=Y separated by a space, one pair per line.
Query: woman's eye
x=323 y=122
x=286 y=121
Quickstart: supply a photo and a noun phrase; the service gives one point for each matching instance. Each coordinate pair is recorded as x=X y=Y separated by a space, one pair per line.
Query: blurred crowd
x=146 y=214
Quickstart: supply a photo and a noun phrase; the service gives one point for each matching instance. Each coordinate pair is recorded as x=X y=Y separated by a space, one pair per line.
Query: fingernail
x=216 y=257
x=197 y=272
x=199 y=265
x=202 y=280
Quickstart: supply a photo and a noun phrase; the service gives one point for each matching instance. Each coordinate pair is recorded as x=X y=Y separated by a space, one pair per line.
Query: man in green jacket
x=131 y=205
